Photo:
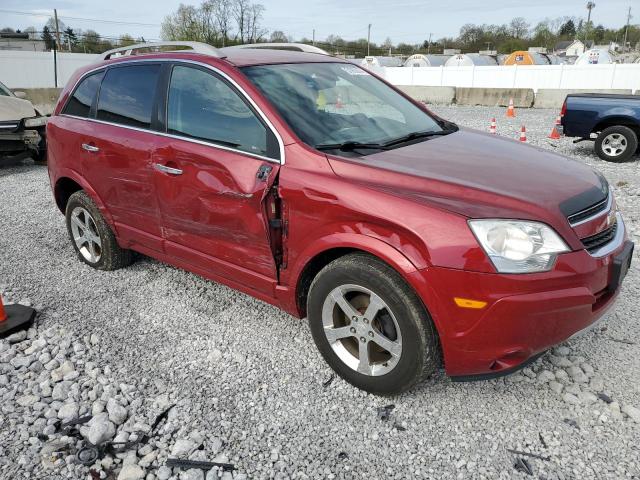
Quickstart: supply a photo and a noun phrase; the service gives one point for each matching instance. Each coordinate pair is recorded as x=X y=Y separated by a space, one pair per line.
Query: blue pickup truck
x=613 y=121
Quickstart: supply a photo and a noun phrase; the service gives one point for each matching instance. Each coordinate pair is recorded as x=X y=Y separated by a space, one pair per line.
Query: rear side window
x=203 y=106
x=80 y=102
x=127 y=95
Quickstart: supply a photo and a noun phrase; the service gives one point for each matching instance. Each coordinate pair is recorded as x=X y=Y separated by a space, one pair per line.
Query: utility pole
x=590 y=6
x=429 y=44
x=368 y=41
x=629 y=17
x=55 y=16
x=314 y=37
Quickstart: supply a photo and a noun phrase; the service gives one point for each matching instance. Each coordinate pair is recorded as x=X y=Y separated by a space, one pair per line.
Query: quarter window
x=204 y=107
x=80 y=102
x=127 y=95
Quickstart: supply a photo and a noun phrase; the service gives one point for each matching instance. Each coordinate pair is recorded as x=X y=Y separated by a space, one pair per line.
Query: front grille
x=594 y=242
x=588 y=212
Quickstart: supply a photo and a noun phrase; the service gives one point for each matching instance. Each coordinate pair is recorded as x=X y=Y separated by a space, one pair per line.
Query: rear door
x=118 y=155
x=214 y=170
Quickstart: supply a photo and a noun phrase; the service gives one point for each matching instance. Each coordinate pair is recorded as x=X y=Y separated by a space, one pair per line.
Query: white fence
x=611 y=76
x=35 y=70
x=20 y=69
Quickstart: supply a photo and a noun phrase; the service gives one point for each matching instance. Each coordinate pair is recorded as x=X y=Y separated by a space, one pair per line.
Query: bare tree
x=519 y=27
x=278 y=36
x=224 y=17
x=241 y=16
x=256 y=32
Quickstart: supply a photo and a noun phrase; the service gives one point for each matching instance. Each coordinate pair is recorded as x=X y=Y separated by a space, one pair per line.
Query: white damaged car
x=22 y=128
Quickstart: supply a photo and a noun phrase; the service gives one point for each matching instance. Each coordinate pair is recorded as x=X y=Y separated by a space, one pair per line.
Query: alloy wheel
x=362 y=330
x=85 y=235
x=614 y=144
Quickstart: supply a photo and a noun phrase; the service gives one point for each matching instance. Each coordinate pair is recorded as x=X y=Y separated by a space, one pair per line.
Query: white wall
x=19 y=69
x=612 y=76
x=35 y=70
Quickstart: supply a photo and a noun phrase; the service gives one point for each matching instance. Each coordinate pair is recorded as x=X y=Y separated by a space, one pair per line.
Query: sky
x=409 y=21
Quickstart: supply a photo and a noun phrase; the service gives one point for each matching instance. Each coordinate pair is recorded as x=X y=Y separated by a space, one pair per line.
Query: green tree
x=47 y=37
x=568 y=29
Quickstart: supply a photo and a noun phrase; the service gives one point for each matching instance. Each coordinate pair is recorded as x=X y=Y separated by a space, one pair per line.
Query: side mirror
x=20 y=94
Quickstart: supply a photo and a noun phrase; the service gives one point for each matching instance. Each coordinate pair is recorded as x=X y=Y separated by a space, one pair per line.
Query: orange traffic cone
x=15 y=317
x=492 y=128
x=555 y=135
x=523 y=134
x=511 y=111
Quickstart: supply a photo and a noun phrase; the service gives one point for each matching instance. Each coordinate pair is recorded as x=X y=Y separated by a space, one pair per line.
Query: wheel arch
x=615 y=120
x=67 y=183
x=318 y=255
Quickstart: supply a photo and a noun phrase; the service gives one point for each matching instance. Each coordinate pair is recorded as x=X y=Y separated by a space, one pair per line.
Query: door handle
x=90 y=148
x=165 y=169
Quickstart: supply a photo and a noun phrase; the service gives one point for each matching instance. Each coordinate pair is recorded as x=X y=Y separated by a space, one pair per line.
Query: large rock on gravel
x=58 y=374
x=99 y=429
x=61 y=391
x=117 y=413
x=68 y=411
x=27 y=400
x=632 y=412
x=21 y=361
x=131 y=472
x=183 y=447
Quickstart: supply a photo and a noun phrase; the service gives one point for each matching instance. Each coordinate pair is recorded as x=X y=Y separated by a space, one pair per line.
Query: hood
x=480 y=175
x=12 y=108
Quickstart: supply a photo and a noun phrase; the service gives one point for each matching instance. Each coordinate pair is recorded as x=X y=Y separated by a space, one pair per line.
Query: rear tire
x=616 y=144
x=91 y=236
x=398 y=341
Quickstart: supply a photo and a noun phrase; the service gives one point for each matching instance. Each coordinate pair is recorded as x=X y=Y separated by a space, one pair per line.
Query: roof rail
x=296 y=47
x=153 y=47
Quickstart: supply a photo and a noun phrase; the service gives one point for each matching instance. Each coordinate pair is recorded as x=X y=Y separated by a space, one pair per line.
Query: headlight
x=35 y=122
x=516 y=246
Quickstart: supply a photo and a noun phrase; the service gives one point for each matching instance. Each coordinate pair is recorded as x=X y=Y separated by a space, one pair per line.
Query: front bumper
x=524 y=315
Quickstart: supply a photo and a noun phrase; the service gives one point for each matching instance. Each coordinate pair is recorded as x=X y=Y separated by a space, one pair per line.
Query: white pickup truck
x=22 y=128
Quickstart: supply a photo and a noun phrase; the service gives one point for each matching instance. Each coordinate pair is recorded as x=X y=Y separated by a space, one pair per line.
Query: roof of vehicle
x=616 y=96
x=238 y=55
x=242 y=57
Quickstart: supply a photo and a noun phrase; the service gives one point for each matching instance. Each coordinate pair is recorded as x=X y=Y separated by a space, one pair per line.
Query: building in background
x=569 y=48
x=20 y=41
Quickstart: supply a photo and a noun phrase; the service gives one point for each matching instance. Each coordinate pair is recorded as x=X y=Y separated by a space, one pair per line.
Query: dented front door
x=212 y=208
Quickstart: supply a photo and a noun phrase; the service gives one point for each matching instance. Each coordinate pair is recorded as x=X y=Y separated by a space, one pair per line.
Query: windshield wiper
x=416 y=135
x=350 y=146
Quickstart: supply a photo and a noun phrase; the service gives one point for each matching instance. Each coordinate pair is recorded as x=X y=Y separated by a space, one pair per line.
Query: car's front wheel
x=616 y=144
x=370 y=326
x=91 y=236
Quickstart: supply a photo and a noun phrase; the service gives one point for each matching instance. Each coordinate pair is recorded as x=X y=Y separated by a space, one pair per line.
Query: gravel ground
x=249 y=386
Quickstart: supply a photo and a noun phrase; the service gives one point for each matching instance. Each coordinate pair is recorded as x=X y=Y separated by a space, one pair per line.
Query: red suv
x=310 y=183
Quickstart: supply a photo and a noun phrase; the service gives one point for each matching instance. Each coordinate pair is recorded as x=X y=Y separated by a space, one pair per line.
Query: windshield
x=339 y=106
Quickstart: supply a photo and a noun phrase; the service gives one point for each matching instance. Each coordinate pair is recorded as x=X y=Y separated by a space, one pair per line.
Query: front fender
x=287 y=290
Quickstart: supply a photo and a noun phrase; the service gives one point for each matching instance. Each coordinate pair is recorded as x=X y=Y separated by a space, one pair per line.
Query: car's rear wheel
x=370 y=326
x=92 y=238
x=616 y=144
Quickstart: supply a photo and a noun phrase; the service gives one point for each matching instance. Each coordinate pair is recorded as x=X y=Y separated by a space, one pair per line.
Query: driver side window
x=203 y=106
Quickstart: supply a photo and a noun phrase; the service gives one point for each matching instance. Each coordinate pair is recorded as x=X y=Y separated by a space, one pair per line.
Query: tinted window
x=127 y=95
x=335 y=103
x=203 y=106
x=80 y=102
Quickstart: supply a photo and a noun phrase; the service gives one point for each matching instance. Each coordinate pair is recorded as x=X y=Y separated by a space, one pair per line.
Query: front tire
x=370 y=326
x=91 y=236
x=616 y=144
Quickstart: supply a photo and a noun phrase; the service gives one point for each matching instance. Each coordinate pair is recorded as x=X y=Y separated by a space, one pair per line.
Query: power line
x=115 y=22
